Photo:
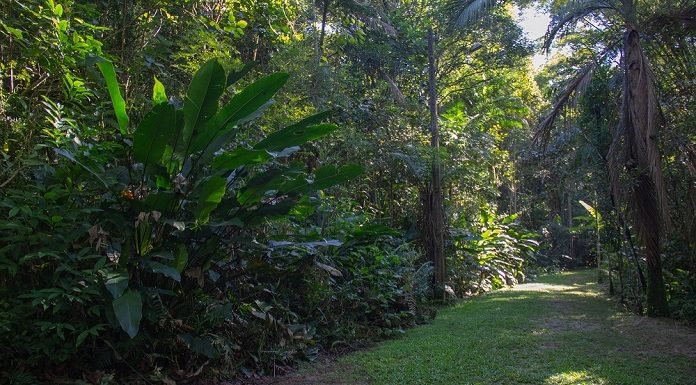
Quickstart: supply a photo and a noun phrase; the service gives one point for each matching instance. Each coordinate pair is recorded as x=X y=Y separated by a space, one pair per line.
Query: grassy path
x=560 y=330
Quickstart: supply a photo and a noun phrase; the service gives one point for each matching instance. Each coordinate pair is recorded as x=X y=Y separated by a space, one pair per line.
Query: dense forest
x=208 y=190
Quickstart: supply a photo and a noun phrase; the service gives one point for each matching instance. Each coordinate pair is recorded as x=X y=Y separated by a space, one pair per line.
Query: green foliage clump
x=151 y=248
x=492 y=253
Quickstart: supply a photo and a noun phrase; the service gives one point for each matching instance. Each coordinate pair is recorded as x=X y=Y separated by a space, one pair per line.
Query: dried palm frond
x=370 y=14
x=641 y=118
x=543 y=131
x=616 y=159
x=399 y=96
x=576 y=86
x=379 y=24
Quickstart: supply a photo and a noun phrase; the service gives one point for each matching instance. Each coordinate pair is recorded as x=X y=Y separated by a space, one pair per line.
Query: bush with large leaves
x=152 y=224
x=490 y=254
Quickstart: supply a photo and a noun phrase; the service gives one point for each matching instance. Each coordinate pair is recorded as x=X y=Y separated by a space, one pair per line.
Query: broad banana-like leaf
x=299 y=133
x=117 y=284
x=128 y=309
x=211 y=192
x=243 y=104
x=234 y=76
x=201 y=101
x=167 y=271
x=200 y=345
x=107 y=70
x=329 y=176
x=153 y=134
x=240 y=157
x=256 y=188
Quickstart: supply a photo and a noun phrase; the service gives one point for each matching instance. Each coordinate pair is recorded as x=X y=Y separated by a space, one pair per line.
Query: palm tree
x=634 y=151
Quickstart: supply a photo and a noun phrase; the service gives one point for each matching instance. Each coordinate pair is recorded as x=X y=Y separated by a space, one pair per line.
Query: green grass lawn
x=559 y=330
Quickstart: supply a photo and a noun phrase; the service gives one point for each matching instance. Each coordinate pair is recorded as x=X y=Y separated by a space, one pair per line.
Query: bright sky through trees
x=534 y=23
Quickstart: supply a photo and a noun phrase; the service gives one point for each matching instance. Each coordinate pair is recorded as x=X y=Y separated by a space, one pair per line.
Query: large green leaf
x=256 y=188
x=234 y=76
x=242 y=105
x=201 y=101
x=278 y=209
x=210 y=195
x=159 y=95
x=117 y=284
x=240 y=157
x=128 y=309
x=275 y=141
x=167 y=271
x=181 y=258
x=107 y=70
x=153 y=134
x=294 y=135
x=162 y=201
x=200 y=345
x=69 y=155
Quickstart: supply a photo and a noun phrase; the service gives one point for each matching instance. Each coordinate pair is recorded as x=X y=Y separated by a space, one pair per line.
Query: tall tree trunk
x=640 y=119
x=322 y=34
x=318 y=80
x=434 y=216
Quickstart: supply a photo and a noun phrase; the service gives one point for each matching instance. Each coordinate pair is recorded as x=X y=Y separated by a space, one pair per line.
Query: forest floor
x=560 y=330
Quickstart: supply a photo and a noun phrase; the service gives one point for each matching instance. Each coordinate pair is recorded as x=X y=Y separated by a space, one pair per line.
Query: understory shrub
x=489 y=254
x=173 y=246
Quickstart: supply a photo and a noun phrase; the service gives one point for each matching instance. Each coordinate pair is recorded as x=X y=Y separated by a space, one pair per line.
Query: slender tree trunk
x=319 y=77
x=598 y=241
x=640 y=120
x=322 y=34
x=434 y=225
x=626 y=232
x=620 y=265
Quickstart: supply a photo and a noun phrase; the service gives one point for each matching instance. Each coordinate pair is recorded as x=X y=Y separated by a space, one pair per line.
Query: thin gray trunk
x=322 y=34
x=434 y=237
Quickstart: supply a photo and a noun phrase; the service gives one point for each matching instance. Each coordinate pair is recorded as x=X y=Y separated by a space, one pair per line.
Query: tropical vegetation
x=198 y=190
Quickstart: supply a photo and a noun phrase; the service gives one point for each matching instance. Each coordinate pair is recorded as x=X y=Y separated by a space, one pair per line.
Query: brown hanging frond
x=616 y=160
x=379 y=24
x=640 y=121
x=577 y=86
x=543 y=131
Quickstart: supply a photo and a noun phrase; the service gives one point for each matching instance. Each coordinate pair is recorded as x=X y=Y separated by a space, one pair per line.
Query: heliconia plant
x=187 y=187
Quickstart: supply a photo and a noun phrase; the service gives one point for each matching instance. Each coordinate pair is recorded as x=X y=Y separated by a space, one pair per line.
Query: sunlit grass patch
x=581 y=377
x=560 y=331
